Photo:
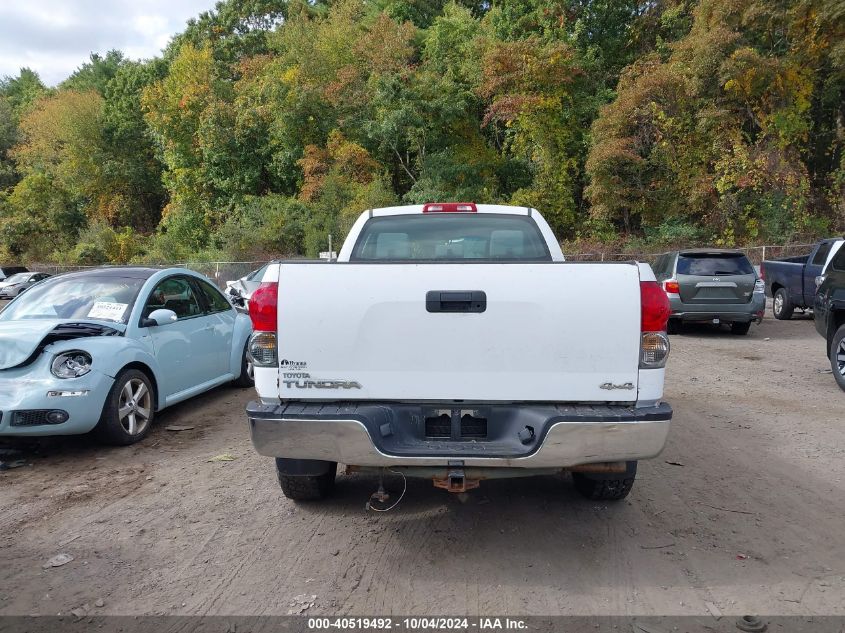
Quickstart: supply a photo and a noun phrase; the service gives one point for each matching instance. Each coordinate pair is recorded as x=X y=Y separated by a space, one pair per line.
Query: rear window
x=821 y=254
x=714 y=264
x=838 y=261
x=451 y=238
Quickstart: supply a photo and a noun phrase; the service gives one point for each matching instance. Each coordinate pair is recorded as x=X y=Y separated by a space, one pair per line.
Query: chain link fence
x=756 y=254
x=218 y=272
x=221 y=272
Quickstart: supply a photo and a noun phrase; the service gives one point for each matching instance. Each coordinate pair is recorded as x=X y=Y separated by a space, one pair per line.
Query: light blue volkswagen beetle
x=105 y=349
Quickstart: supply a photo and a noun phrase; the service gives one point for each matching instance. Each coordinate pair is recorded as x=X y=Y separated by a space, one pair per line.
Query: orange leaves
x=527 y=65
x=340 y=157
x=386 y=46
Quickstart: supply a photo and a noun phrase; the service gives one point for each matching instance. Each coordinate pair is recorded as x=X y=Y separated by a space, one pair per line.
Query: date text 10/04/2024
x=417 y=623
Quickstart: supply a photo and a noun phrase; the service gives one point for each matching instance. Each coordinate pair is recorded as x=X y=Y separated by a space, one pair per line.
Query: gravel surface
x=742 y=513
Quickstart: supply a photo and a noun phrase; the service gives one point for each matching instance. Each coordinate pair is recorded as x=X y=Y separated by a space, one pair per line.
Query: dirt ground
x=742 y=513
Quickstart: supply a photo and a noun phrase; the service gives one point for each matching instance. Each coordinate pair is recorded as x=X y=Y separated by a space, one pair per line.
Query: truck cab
x=791 y=281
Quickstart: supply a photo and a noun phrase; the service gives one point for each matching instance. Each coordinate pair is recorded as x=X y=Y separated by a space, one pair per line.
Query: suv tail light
x=264 y=312
x=654 y=315
x=450 y=207
x=671 y=286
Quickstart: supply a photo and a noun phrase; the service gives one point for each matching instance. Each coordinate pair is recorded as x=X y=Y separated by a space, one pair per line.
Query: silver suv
x=711 y=286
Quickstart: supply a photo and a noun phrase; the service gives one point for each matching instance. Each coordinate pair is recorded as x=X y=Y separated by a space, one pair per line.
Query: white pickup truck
x=452 y=341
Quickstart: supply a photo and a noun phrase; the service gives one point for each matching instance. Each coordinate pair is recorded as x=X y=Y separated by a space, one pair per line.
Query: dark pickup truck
x=829 y=314
x=791 y=281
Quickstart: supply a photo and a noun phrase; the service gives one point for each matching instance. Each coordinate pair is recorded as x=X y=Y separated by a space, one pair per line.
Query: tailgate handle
x=456 y=301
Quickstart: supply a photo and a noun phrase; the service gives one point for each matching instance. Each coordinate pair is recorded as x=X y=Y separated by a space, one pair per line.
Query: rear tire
x=782 y=307
x=740 y=329
x=247 y=377
x=307 y=487
x=605 y=487
x=837 y=348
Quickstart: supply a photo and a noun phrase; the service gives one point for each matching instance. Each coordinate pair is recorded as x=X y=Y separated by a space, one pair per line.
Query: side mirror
x=159 y=317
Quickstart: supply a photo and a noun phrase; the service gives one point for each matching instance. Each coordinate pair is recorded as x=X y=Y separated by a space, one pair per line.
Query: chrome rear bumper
x=353 y=435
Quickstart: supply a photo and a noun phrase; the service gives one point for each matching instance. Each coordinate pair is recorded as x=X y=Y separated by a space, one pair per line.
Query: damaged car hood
x=21 y=340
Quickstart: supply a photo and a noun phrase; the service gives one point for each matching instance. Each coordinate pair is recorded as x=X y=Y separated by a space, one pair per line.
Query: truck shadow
x=533 y=530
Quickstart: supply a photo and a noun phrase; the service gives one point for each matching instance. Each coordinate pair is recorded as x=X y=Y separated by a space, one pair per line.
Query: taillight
x=654 y=307
x=264 y=312
x=672 y=287
x=263 y=349
x=264 y=307
x=450 y=207
x=654 y=314
x=762 y=272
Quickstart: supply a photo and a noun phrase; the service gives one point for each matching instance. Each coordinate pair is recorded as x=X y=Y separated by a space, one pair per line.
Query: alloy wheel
x=840 y=358
x=134 y=406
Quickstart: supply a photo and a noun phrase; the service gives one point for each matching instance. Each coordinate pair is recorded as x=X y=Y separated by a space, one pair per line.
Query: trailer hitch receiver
x=455 y=480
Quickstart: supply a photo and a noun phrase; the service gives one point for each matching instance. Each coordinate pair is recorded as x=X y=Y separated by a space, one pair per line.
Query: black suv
x=829 y=314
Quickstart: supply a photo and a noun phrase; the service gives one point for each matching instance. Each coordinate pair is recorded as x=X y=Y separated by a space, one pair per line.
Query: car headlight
x=71 y=364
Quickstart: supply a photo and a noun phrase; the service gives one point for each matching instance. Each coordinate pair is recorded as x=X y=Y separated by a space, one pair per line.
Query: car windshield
x=451 y=237
x=105 y=298
x=17 y=278
x=708 y=264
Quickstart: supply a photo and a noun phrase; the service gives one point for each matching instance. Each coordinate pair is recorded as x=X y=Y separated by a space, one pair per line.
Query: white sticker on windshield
x=107 y=310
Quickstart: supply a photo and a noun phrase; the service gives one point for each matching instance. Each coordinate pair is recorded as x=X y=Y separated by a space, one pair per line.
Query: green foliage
x=38 y=220
x=8 y=138
x=732 y=133
x=269 y=125
x=96 y=73
x=99 y=243
x=22 y=91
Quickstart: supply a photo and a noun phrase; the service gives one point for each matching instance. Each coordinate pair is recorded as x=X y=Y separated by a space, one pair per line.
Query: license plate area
x=456 y=424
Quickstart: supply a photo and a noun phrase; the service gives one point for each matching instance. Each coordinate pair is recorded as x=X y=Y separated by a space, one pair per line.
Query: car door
x=184 y=348
x=813 y=269
x=222 y=317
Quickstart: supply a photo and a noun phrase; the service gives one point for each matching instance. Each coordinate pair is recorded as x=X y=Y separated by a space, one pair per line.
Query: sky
x=55 y=37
